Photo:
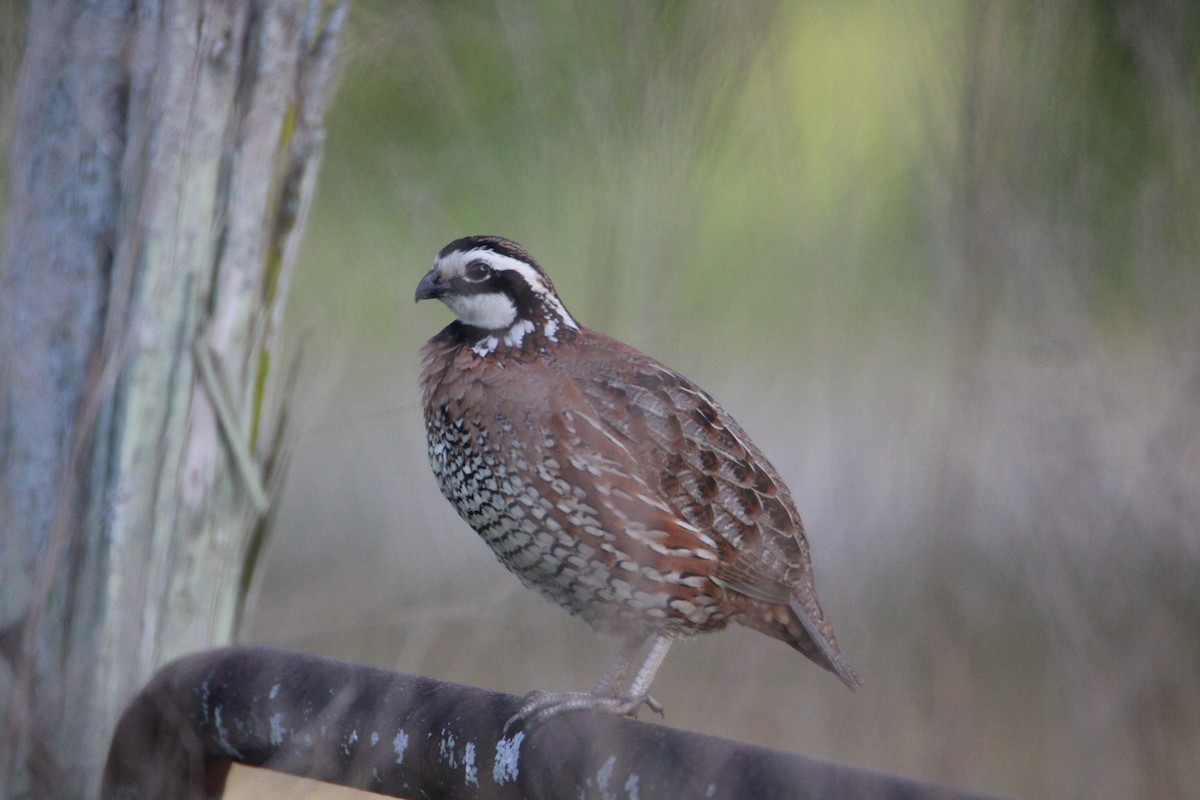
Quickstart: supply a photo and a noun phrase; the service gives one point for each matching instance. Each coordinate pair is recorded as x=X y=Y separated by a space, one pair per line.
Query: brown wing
x=644 y=542
x=698 y=460
x=694 y=456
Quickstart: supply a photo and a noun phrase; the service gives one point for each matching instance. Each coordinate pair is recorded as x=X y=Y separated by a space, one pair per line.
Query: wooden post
x=164 y=155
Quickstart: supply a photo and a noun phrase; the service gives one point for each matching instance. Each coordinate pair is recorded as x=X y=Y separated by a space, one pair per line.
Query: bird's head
x=497 y=290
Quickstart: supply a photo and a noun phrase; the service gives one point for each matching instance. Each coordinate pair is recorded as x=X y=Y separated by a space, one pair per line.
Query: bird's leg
x=640 y=688
x=541 y=706
x=610 y=682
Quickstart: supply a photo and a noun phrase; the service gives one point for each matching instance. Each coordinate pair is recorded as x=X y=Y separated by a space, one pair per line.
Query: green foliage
x=814 y=162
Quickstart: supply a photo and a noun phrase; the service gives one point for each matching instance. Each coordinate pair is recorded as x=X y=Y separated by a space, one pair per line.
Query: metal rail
x=415 y=737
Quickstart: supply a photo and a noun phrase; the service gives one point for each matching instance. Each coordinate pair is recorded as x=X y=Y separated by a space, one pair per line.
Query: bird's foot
x=537 y=707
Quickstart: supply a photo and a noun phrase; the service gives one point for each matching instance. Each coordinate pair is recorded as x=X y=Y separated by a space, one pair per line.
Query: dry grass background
x=940 y=259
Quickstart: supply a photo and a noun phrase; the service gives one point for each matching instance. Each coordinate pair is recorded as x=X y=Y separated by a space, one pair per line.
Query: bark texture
x=161 y=166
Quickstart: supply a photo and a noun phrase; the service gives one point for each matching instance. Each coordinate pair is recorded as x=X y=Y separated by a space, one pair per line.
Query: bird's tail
x=816 y=641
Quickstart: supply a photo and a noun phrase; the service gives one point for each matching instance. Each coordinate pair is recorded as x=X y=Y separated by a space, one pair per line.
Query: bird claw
x=537 y=707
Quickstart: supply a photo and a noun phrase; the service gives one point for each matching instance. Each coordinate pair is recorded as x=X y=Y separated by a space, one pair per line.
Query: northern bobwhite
x=607 y=482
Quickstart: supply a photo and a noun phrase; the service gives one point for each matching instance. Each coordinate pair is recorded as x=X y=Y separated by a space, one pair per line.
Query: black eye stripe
x=464 y=286
x=503 y=281
x=494 y=281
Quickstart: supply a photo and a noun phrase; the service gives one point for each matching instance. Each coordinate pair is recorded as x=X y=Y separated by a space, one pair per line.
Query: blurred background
x=940 y=259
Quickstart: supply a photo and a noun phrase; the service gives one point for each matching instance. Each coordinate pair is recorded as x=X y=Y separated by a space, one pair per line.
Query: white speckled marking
x=472 y=772
x=485 y=346
x=603 y=774
x=446 y=748
x=516 y=334
x=631 y=787
x=223 y=735
x=508 y=759
x=277 y=729
x=399 y=745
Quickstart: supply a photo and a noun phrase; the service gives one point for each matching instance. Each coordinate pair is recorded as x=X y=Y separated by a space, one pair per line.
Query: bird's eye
x=477 y=271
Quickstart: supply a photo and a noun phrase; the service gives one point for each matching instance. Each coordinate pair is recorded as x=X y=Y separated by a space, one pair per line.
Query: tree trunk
x=164 y=155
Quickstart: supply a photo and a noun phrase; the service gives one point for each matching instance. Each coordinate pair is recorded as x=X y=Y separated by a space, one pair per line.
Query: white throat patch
x=492 y=312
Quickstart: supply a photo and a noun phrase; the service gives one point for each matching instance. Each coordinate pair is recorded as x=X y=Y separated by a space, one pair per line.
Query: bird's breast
x=570 y=522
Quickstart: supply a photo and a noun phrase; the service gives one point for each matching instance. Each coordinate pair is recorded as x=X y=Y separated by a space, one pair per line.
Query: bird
x=604 y=480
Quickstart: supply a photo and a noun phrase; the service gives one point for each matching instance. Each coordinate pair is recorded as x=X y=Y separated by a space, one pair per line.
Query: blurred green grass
x=941 y=260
